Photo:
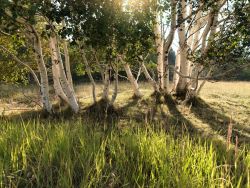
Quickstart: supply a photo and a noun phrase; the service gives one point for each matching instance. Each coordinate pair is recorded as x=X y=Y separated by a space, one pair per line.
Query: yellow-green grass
x=222 y=103
x=230 y=98
x=75 y=154
x=149 y=144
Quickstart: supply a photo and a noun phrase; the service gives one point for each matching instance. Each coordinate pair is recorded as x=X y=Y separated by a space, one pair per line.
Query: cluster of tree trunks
x=198 y=35
x=186 y=73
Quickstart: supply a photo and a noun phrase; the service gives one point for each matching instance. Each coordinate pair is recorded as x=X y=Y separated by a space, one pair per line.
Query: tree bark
x=99 y=65
x=44 y=90
x=67 y=61
x=43 y=72
x=168 y=44
x=194 y=69
x=207 y=39
x=181 y=88
x=68 y=90
x=133 y=81
x=114 y=96
x=56 y=82
x=150 y=79
x=105 y=93
x=160 y=51
x=88 y=69
x=177 y=68
x=166 y=77
x=203 y=82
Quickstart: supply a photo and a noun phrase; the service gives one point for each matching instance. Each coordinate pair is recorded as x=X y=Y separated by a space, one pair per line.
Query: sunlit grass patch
x=73 y=154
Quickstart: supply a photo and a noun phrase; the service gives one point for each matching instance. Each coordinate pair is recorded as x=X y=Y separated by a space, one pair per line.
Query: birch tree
x=24 y=19
x=194 y=22
x=94 y=37
x=164 y=33
x=121 y=35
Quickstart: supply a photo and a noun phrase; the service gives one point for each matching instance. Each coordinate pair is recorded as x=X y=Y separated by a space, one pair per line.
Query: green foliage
x=73 y=154
x=230 y=46
x=10 y=70
x=111 y=27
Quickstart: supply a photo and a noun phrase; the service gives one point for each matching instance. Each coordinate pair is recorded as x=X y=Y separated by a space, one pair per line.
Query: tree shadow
x=133 y=110
x=38 y=114
x=95 y=114
x=185 y=126
x=100 y=113
x=124 y=109
x=218 y=121
x=144 y=111
x=181 y=123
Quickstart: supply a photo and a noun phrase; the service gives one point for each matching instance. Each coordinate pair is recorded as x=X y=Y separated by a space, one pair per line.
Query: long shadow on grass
x=131 y=111
x=132 y=103
x=100 y=112
x=218 y=121
x=64 y=113
x=178 y=119
x=181 y=122
x=144 y=111
x=26 y=115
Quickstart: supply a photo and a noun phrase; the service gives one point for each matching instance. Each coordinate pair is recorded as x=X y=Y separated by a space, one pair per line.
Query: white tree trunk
x=67 y=63
x=105 y=93
x=56 y=74
x=184 y=64
x=99 y=65
x=150 y=79
x=168 y=44
x=55 y=51
x=195 y=75
x=88 y=69
x=160 y=65
x=194 y=69
x=177 y=68
x=184 y=69
x=160 y=51
x=132 y=80
x=166 y=77
x=204 y=81
x=57 y=86
x=43 y=74
x=33 y=35
x=208 y=34
x=115 y=88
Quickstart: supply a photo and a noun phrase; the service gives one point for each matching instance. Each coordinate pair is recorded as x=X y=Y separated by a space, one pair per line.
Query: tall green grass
x=74 y=154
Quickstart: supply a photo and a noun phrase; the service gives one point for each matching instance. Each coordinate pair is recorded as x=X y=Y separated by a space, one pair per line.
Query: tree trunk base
x=157 y=96
x=181 y=94
x=102 y=111
x=191 y=100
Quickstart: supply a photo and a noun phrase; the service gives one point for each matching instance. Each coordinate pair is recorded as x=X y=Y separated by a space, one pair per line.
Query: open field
x=143 y=143
x=220 y=104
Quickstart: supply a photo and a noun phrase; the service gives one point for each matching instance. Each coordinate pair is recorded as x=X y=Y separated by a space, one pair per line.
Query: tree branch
x=215 y=76
x=190 y=15
x=21 y=62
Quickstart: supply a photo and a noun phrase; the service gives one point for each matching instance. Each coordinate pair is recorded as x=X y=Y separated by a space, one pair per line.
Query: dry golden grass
x=230 y=98
x=222 y=103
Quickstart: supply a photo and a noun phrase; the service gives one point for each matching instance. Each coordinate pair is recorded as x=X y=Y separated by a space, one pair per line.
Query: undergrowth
x=76 y=154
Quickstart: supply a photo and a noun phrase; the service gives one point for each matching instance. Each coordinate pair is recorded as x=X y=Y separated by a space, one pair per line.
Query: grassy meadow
x=142 y=143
